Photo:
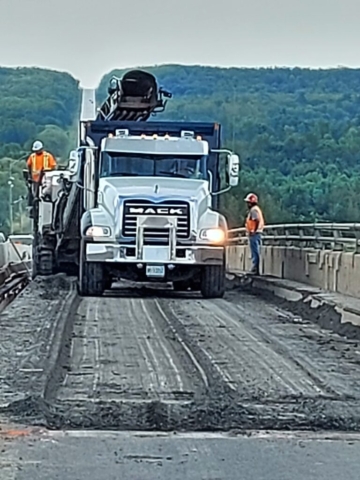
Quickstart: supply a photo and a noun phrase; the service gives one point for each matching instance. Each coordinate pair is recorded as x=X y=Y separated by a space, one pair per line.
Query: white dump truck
x=139 y=199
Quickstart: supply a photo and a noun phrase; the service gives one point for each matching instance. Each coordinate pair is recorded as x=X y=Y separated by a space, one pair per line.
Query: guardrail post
x=336 y=267
x=335 y=245
x=357 y=240
x=317 y=235
x=286 y=238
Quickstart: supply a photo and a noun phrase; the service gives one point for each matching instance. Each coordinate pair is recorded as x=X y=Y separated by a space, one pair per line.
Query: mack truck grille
x=134 y=208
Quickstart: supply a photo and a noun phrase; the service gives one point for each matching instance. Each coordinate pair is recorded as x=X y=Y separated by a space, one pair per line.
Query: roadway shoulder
x=32 y=328
x=333 y=310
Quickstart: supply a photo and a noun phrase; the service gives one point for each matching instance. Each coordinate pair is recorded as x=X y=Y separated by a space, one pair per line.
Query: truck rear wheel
x=212 y=284
x=34 y=266
x=45 y=262
x=42 y=260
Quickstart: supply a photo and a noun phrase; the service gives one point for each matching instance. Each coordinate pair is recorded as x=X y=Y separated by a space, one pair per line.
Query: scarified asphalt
x=153 y=359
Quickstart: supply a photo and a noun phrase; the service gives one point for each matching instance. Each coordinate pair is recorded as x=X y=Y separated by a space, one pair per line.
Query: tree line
x=34 y=104
x=297 y=131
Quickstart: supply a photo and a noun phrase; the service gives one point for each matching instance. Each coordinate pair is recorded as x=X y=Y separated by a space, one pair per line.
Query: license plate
x=155 y=270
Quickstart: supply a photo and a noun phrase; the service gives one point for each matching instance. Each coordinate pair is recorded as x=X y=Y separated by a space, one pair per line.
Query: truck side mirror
x=73 y=162
x=233 y=170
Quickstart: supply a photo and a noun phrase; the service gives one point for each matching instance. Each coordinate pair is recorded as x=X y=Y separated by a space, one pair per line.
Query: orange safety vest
x=251 y=224
x=40 y=162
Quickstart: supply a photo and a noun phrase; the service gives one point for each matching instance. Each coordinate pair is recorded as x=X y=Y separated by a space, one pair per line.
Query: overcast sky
x=88 y=41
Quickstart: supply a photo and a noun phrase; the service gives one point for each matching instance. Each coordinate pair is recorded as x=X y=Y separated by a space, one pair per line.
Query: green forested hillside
x=297 y=131
x=33 y=99
x=34 y=104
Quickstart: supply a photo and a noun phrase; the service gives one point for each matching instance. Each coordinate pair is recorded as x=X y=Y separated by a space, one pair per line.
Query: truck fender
x=86 y=222
x=95 y=216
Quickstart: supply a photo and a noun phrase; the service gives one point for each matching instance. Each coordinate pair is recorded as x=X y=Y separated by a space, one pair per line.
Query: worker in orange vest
x=254 y=228
x=38 y=161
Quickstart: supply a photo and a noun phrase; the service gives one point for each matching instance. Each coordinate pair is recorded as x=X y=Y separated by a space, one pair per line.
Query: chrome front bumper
x=155 y=254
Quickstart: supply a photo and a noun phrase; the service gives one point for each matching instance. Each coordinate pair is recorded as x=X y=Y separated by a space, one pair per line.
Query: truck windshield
x=114 y=164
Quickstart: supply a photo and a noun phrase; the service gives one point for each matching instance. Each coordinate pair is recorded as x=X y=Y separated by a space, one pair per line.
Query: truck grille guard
x=161 y=223
x=177 y=212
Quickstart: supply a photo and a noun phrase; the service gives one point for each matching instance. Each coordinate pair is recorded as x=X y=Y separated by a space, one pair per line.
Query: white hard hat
x=37 y=146
x=251 y=198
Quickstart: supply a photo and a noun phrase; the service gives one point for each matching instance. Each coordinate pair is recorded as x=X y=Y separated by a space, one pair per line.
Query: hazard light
x=187 y=134
x=122 y=132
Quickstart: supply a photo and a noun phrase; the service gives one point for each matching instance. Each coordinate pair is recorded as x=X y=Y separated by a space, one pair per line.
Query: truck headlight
x=214 y=235
x=97 y=232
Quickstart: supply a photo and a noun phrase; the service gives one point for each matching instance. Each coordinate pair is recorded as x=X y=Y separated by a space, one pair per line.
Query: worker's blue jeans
x=255 y=244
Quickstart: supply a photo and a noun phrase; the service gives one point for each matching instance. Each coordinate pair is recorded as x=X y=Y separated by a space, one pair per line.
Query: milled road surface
x=119 y=352
x=145 y=383
x=151 y=359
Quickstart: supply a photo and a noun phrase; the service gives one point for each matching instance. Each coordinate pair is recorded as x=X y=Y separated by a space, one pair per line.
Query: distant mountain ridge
x=297 y=130
x=31 y=99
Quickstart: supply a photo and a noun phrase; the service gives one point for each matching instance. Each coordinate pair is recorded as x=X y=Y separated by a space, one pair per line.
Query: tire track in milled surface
x=120 y=352
x=329 y=360
x=262 y=356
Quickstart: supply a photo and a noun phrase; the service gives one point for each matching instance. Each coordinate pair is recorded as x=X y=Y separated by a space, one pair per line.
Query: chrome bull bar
x=155 y=223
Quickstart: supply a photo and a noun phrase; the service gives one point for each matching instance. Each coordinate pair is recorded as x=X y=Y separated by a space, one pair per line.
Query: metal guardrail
x=329 y=236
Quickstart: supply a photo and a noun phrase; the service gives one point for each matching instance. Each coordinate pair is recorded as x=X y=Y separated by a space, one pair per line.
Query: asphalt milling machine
x=139 y=199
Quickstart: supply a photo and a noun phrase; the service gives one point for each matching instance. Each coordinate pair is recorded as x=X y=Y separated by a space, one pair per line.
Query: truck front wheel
x=91 y=276
x=91 y=279
x=212 y=283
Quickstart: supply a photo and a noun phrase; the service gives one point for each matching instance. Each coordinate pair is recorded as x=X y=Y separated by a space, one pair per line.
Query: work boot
x=255 y=271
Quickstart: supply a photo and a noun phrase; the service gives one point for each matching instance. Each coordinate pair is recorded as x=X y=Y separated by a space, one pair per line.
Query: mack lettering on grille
x=156 y=211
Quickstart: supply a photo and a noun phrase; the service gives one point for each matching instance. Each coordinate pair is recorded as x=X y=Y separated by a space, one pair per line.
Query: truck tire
x=91 y=279
x=91 y=276
x=34 y=267
x=45 y=262
x=212 y=283
x=42 y=261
